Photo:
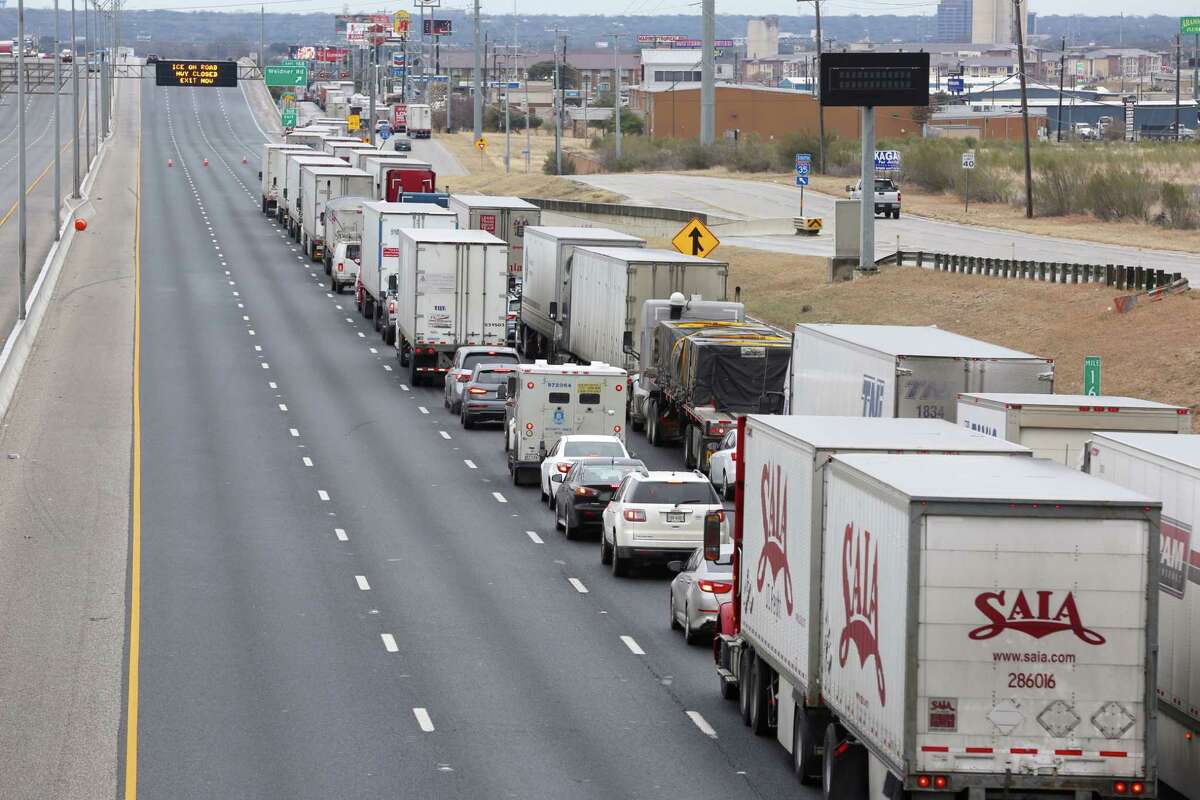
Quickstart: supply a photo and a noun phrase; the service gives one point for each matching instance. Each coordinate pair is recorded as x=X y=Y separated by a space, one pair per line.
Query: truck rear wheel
x=805 y=763
x=760 y=688
x=652 y=433
x=844 y=769
x=745 y=665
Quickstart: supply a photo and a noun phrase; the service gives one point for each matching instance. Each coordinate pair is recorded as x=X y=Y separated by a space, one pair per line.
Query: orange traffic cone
x=206 y=162
x=243 y=159
x=170 y=163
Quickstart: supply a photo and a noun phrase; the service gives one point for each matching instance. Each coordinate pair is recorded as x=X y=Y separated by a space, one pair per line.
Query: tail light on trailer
x=341 y=266
x=634 y=515
x=1129 y=788
x=392 y=307
x=932 y=782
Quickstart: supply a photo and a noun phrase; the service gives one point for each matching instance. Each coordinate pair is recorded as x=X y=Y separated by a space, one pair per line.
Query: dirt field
x=488 y=176
x=1150 y=352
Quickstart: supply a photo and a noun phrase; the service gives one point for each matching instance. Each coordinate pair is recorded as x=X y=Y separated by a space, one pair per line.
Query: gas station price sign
x=875 y=79
x=195 y=73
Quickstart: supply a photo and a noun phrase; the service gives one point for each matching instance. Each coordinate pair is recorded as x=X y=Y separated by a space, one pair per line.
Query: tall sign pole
x=1019 y=7
x=616 y=44
x=478 y=95
x=21 y=219
x=866 y=209
x=74 y=105
x=57 y=127
x=708 y=105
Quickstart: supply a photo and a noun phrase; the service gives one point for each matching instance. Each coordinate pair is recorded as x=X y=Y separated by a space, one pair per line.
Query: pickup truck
x=887 y=196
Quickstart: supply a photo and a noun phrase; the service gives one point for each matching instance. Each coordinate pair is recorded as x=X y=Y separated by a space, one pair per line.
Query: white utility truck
x=420 y=121
x=610 y=285
x=1058 y=426
x=546 y=279
x=318 y=185
x=287 y=208
x=902 y=371
x=1167 y=468
x=914 y=624
x=548 y=401
x=270 y=173
x=450 y=292
x=343 y=238
x=382 y=223
x=506 y=217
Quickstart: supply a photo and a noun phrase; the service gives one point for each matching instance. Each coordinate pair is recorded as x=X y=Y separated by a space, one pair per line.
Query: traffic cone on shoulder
x=243 y=159
x=170 y=163
x=206 y=162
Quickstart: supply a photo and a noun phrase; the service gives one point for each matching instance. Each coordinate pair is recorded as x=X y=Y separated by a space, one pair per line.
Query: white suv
x=656 y=516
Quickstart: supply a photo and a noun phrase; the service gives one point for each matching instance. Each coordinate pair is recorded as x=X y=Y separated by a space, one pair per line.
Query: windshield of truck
x=471 y=359
x=354 y=252
x=692 y=493
x=602 y=449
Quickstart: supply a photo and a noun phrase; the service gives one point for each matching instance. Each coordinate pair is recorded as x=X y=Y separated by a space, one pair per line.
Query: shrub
x=751 y=155
x=1119 y=193
x=989 y=185
x=550 y=165
x=1180 y=206
x=1058 y=187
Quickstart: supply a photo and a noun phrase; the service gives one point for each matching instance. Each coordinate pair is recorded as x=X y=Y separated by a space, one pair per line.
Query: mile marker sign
x=695 y=239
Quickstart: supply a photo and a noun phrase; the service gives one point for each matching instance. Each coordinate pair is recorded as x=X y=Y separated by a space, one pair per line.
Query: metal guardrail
x=1115 y=275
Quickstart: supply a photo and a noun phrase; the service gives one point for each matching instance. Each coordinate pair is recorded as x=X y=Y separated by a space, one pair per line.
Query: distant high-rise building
x=762 y=37
x=954 y=21
x=1031 y=22
x=992 y=21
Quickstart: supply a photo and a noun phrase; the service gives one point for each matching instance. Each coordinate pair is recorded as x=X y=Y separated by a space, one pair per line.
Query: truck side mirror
x=553 y=310
x=712 y=535
x=502 y=391
x=627 y=343
x=322 y=218
x=260 y=174
x=393 y=283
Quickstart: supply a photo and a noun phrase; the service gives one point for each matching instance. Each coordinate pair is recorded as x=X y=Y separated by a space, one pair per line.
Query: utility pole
x=262 y=21
x=1062 y=74
x=478 y=106
x=816 y=78
x=74 y=104
x=57 y=127
x=22 y=222
x=1196 y=67
x=374 y=91
x=708 y=103
x=87 y=85
x=559 y=97
x=1024 y=109
x=1178 y=70
x=528 y=130
x=616 y=44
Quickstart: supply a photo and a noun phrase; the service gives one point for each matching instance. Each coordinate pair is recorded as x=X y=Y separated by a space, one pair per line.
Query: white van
x=547 y=401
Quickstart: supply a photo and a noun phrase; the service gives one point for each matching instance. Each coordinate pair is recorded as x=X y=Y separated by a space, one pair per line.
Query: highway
x=341 y=592
x=741 y=200
x=39 y=175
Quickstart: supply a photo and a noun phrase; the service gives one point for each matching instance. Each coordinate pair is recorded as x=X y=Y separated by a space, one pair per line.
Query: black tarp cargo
x=736 y=367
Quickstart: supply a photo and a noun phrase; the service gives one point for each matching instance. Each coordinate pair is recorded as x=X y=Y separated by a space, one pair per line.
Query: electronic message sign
x=168 y=72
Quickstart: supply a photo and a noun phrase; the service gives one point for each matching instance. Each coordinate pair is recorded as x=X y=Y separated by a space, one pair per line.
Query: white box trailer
x=546 y=279
x=359 y=159
x=506 y=217
x=338 y=124
x=1167 y=468
x=420 y=121
x=450 y=292
x=548 y=401
x=344 y=150
x=318 y=185
x=382 y=223
x=610 y=285
x=288 y=211
x=784 y=456
x=342 y=241
x=271 y=171
x=902 y=371
x=313 y=136
x=1058 y=426
x=988 y=628
x=330 y=142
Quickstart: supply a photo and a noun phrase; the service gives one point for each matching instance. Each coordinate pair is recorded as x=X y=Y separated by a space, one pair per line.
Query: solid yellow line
x=32 y=186
x=135 y=541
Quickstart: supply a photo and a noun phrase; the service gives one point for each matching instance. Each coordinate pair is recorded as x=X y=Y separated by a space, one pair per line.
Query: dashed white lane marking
x=389 y=642
x=702 y=724
x=292 y=431
x=250 y=331
x=283 y=406
x=499 y=497
x=349 y=319
x=423 y=719
x=308 y=462
x=470 y=464
x=387 y=367
x=245 y=318
x=633 y=646
x=578 y=584
x=423 y=409
x=361 y=580
x=272 y=384
x=404 y=388
x=265 y=365
x=373 y=350
x=444 y=434
x=533 y=535
x=362 y=335
x=324 y=495
x=340 y=533
x=258 y=348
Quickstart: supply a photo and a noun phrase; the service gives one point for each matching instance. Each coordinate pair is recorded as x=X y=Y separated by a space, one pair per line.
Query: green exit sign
x=286 y=76
x=1189 y=25
x=288 y=118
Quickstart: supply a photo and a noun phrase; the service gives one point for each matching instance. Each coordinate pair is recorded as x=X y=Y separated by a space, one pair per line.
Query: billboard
x=438 y=27
x=401 y=22
x=302 y=52
x=675 y=40
x=331 y=54
x=341 y=21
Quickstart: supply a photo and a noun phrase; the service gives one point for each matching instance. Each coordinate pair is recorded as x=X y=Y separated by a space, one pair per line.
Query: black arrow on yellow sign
x=695 y=239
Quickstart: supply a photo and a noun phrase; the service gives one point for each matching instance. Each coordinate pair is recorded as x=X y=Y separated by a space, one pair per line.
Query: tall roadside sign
x=1189 y=26
x=280 y=75
x=1091 y=376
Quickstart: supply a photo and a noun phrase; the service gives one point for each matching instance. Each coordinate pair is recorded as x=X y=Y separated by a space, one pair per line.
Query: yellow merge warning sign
x=695 y=239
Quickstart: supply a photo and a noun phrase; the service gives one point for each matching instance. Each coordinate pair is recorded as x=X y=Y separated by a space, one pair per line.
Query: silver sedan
x=698 y=591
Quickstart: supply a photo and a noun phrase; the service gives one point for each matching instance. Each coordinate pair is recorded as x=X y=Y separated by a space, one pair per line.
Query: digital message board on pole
x=195 y=73
x=875 y=79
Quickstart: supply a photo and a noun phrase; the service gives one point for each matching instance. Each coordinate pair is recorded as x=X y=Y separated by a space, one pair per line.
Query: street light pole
x=57 y=127
x=74 y=105
x=87 y=84
x=21 y=220
x=616 y=40
x=478 y=98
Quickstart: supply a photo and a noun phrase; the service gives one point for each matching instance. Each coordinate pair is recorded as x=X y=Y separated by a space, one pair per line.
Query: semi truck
x=271 y=172
x=610 y=285
x=450 y=292
x=902 y=371
x=1058 y=426
x=312 y=136
x=924 y=612
x=412 y=177
x=706 y=374
x=506 y=217
x=420 y=121
x=343 y=227
x=287 y=210
x=382 y=223
x=318 y=185
x=1167 y=468
x=546 y=279
x=344 y=150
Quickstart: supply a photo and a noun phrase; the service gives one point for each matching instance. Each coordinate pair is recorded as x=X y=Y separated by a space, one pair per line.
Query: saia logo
x=1033 y=621
x=860 y=595
x=773 y=495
